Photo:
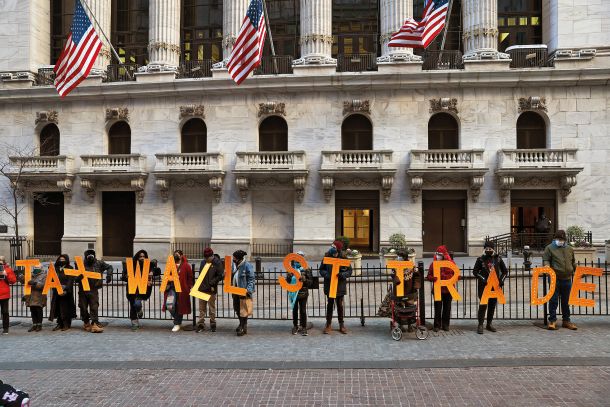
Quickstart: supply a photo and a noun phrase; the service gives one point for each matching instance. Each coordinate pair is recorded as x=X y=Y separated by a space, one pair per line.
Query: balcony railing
x=196 y=69
x=121 y=73
x=356 y=160
x=189 y=162
x=113 y=163
x=271 y=160
x=356 y=62
x=447 y=159
x=42 y=165
x=441 y=60
x=528 y=56
x=537 y=158
x=277 y=65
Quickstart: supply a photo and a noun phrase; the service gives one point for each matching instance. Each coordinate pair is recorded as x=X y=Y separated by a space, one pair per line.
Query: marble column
x=164 y=36
x=102 y=10
x=233 y=13
x=480 y=30
x=392 y=15
x=316 y=33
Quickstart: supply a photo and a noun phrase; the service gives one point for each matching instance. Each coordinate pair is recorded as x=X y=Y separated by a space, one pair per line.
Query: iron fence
x=270 y=249
x=441 y=60
x=534 y=57
x=366 y=290
x=121 y=73
x=356 y=62
x=192 y=250
x=275 y=65
x=196 y=69
x=515 y=242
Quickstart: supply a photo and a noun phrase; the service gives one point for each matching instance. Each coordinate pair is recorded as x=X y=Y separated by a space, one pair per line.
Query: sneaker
x=446 y=328
x=491 y=328
x=436 y=329
x=87 y=327
x=327 y=329
x=176 y=328
x=213 y=326
x=39 y=328
x=295 y=330
x=96 y=328
x=480 y=329
x=304 y=332
x=552 y=326
x=570 y=325
x=200 y=328
x=5 y=332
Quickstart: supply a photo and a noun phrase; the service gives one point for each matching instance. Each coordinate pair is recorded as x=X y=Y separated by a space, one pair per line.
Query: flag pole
x=270 y=36
x=116 y=55
x=447 y=19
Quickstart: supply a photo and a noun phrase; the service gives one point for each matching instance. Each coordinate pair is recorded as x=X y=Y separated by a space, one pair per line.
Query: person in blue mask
x=298 y=300
x=336 y=250
x=560 y=257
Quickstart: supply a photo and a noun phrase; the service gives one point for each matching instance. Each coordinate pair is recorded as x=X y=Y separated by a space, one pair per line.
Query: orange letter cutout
x=228 y=287
x=195 y=290
x=450 y=284
x=578 y=285
x=282 y=280
x=493 y=289
x=170 y=274
x=400 y=267
x=80 y=270
x=28 y=264
x=137 y=281
x=334 y=274
x=535 y=276
x=52 y=281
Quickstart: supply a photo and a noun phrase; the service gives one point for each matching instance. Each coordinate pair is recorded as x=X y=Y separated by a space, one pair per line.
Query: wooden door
x=118 y=223
x=444 y=220
x=48 y=223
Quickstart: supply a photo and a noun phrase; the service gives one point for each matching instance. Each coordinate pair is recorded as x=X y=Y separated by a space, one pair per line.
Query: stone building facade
x=443 y=154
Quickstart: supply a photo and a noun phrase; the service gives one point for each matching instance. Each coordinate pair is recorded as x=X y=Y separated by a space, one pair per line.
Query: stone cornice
x=332 y=83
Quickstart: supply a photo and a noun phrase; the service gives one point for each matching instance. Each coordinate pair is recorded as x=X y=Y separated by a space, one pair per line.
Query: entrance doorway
x=357 y=218
x=444 y=220
x=533 y=216
x=48 y=223
x=118 y=223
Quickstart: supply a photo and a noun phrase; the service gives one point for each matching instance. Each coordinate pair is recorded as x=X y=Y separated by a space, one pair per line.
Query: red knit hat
x=338 y=244
x=208 y=252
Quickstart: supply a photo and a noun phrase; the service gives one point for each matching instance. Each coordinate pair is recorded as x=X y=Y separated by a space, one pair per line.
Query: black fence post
x=422 y=294
x=193 y=299
x=545 y=307
x=258 y=273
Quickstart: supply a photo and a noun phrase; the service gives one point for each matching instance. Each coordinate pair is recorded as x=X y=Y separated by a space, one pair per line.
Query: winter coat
x=306 y=278
x=8 y=280
x=245 y=276
x=560 y=259
x=36 y=297
x=345 y=272
x=483 y=265
x=98 y=266
x=215 y=275
x=185 y=276
x=156 y=271
x=67 y=284
x=446 y=272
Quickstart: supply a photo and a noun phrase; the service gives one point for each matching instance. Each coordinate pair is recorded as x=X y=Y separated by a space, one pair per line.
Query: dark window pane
x=454 y=28
x=520 y=22
x=61 y=18
x=273 y=134
x=194 y=136
x=357 y=133
x=356 y=27
x=49 y=140
x=119 y=138
x=443 y=132
x=130 y=30
x=201 y=29
x=284 y=20
x=531 y=131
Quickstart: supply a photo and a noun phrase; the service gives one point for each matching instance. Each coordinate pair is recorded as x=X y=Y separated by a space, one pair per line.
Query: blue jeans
x=562 y=290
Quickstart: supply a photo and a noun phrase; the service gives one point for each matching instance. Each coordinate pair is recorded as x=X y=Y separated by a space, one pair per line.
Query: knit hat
x=338 y=244
x=239 y=254
x=208 y=252
x=488 y=244
x=560 y=234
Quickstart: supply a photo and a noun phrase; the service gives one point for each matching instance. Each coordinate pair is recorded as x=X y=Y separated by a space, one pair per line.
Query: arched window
x=531 y=131
x=357 y=133
x=443 y=132
x=194 y=136
x=119 y=138
x=273 y=134
x=49 y=140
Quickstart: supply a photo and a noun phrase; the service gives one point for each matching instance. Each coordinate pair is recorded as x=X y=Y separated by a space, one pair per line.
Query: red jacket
x=10 y=279
x=185 y=275
x=446 y=272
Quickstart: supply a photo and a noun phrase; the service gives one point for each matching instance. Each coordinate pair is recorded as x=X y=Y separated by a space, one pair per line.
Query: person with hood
x=181 y=301
x=482 y=268
x=7 y=278
x=209 y=286
x=243 y=277
x=560 y=257
x=298 y=300
x=89 y=301
x=135 y=300
x=442 y=308
x=63 y=307
x=336 y=250
x=36 y=300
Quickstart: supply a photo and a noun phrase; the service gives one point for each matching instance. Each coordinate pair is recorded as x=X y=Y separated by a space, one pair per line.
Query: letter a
x=170 y=274
x=493 y=289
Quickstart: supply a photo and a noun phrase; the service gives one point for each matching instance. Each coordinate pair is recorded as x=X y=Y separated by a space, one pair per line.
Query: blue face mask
x=297 y=265
x=559 y=243
x=36 y=271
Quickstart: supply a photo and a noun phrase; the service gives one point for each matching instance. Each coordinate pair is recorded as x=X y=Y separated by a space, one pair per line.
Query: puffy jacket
x=446 y=272
x=560 y=259
x=482 y=268
x=36 y=297
x=9 y=279
x=98 y=266
x=345 y=272
x=214 y=276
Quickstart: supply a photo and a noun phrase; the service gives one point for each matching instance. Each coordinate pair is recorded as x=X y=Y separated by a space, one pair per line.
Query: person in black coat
x=63 y=307
x=209 y=285
x=135 y=300
x=482 y=269
x=344 y=273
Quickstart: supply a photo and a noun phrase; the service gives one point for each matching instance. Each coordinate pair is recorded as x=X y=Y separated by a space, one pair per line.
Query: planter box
x=584 y=254
x=384 y=261
x=607 y=252
x=356 y=263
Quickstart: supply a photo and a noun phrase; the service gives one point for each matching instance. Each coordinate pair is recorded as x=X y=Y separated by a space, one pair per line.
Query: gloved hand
x=108 y=278
x=248 y=295
x=80 y=277
x=32 y=282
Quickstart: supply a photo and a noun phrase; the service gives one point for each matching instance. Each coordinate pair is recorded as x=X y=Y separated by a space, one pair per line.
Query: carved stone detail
x=356 y=106
x=163 y=185
x=117 y=113
x=65 y=185
x=328 y=184
x=299 y=187
x=216 y=185
x=192 y=111
x=48 y=116
x=567 y=182
x=476 y=182
x=270 y=108
x=89 y=187
x=157 y=45
x=532 y=103
x=386 y=186
x=506 y=183
x=443 y=105
x=243 y=184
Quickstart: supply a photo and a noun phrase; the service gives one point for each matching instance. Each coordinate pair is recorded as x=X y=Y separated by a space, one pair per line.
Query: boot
x=87 y=327
x=38 y=327
x=245 y=326
x=342 y=328
x=240 y=329
x=200 y=328
x=327 y=329
x=213 y=326
x=481 y=317
x=490 y=327
x=57 y=327
x=96 y=328
x=480 y=329
x=33 y=328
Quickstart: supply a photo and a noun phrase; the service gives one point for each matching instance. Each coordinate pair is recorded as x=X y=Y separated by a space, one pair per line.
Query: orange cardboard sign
x=228 y=285
x=28 y=264
x=80 y=271
x=137 y=280
x=578 y=285
x=538 y=271
x=450 y=283
x=299 y=284
x=334 y=274
x=493 y=289
x=170 y=274
x=52 y=281
x=400 y=267
x=195 y=290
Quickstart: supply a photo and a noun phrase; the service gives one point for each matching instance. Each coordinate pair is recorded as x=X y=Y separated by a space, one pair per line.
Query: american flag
x=248 y=49
x=79 y=53
x=419 y=34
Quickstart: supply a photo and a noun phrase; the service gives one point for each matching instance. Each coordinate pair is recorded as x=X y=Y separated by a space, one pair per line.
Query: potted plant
x=583 y=250
x=355 y=257
x=397 y=242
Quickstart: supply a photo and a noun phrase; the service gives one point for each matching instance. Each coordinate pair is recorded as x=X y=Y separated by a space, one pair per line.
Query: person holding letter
x=36 y=300
x=135 y=300
x=326 y=271
x=442 y=308
x=209 y=286
x=178 y=301
x=243 y=277
x=560 y=257
x=63 y=307
x=482 y=269
x=89 y=301
x=7 y=278
x=298 y=299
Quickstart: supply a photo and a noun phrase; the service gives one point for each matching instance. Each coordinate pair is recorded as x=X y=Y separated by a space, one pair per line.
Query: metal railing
x=356 y=62
x=366 y=290
x=277 y=65
x=436 y=60
x=528 y=56
x=196 y=69
x=515 y=241
x=121 y=73
x=270 y=249
x=192 y=250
